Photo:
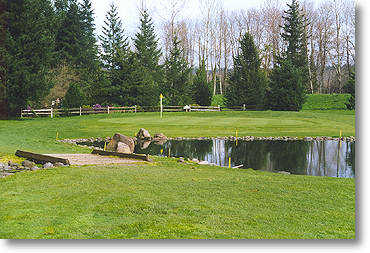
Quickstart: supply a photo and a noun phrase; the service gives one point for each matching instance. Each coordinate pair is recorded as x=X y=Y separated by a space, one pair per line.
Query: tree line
x=50 y=54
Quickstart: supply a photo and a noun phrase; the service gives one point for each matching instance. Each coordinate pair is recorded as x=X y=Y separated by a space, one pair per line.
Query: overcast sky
x=128 y=10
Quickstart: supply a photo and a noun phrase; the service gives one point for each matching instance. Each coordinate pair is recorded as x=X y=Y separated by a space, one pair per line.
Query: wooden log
x=122 y=155
x=38 y=158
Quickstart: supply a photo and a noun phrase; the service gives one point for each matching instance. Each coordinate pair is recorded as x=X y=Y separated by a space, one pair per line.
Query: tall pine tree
x=201 y=87
x=290 y=74
x=3 y=69
x=146 y=43
x=113 y=40
x=28 y=52
x=147 y=75
x=247 y=80
x=177 y=85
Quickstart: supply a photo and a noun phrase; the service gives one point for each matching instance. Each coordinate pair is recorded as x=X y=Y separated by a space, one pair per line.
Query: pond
x=331 y=158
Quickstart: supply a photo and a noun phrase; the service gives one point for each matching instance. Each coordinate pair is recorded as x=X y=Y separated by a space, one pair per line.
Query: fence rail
x=124 y=109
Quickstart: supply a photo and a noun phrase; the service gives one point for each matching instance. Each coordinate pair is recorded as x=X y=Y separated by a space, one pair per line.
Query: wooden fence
x=125 y=109
x=76 y=111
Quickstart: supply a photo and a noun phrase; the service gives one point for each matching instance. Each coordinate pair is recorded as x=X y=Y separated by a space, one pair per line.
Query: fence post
x=51 y=113
x=135 y=109
x=108 y=109
x=219 y=108
x=80 y=111
x=21 y=113
x=243 y=107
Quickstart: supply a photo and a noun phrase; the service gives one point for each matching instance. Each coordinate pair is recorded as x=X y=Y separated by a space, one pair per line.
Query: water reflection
x=318 y=158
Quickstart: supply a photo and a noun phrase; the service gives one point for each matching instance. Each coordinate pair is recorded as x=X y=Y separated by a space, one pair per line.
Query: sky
x=128 y=10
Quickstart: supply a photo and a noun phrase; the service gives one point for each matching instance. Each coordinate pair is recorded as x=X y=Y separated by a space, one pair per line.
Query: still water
x=330 y=158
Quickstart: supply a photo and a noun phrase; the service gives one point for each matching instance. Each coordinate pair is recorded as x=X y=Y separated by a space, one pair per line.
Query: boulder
x=143 y=134
x=123 y=148
x=126 y=140
x=48 y=165
x=160 y=136
x=58 y=164
x=113 y=144
x=28 y=164
x=144 y=144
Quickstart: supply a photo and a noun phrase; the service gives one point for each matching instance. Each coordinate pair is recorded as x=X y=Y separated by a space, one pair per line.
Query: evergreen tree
x=286 y=92
x=28 y=52
x=146 y=43
x=201 y=87
x=113 y=41
x=3 y=69
x=350 y=88
x=89 y=42
x=290 y=74
x=177 y=85
x=247 y=80
x=74 y=97
x=142 y=77
x=76 y=43
x=70 y=36
x=131 y=84
x=294 y=34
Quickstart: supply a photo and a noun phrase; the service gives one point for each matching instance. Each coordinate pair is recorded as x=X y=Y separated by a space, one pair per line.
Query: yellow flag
x=161 y=96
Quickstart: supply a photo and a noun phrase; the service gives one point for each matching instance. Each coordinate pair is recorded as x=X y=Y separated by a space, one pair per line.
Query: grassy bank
x=39 y=134
x=326 y=102
x=170 y=200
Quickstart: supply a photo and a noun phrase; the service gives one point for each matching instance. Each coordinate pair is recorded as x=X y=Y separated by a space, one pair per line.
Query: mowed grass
x=168 y=200
x=326 y=101
x=39 y=135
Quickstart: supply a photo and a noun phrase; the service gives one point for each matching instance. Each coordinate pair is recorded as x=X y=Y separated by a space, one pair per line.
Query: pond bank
x=232 y=138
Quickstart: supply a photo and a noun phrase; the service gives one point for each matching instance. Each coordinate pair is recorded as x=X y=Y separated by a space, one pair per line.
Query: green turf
x=39 y=134
x=170 y=200
x=326 y=101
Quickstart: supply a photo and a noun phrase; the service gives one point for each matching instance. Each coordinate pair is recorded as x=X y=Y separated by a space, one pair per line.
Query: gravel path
x=90 y=159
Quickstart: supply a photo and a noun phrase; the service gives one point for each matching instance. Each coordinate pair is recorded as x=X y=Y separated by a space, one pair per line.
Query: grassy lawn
x=168 y=199
x=326 y=101
x=39 y=135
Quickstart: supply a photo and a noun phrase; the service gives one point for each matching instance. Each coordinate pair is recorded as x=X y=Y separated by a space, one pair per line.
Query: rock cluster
x=121 y=143
x=10 y=168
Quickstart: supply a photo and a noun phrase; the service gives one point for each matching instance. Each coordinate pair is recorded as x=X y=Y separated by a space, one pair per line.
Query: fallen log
x=122 y=155
x=38 y=158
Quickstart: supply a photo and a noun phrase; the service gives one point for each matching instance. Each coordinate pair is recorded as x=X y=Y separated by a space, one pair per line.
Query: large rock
x=144 y=144
x=160 y=136
x=123 y=148
x=143 y=134
x=28 y=164
x=48 y=165
x=117 y=138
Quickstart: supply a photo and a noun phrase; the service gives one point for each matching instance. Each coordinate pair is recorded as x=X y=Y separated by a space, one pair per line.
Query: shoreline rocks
x=11 y=168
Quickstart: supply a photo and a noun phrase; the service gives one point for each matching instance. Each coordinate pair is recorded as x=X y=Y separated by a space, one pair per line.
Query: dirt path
x=90 y=159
